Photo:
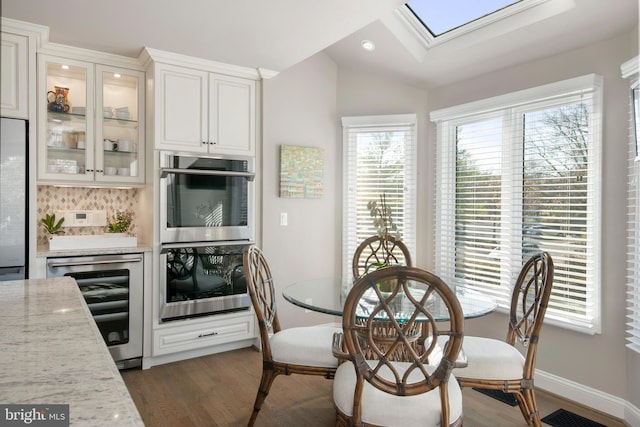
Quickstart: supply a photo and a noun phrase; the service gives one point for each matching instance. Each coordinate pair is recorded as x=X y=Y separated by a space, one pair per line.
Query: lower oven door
x=202 y=278
x=112 y=286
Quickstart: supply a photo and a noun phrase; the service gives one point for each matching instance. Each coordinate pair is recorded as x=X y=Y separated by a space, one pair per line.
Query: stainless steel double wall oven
x=206 y=217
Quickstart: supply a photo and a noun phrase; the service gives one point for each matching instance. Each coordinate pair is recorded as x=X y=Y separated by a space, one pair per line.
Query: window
x=441 y=16
x=633 y=230
x=630 y=70
x=635 y=118
x=379 y=158
x=518 y=174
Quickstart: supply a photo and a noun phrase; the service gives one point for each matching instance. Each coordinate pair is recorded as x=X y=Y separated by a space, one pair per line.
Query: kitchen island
x=53 y=353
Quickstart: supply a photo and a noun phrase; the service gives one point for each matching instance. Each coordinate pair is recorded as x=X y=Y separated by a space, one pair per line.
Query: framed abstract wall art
x=301 y=172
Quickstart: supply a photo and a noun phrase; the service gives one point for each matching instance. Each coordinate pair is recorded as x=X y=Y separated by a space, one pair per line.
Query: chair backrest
x=375 y=250
x=529 y=302
x=413 y=292
x=263 y=295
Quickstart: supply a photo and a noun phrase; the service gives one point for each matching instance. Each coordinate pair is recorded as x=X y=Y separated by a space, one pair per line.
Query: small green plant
x=52 y=225
x=120 y=222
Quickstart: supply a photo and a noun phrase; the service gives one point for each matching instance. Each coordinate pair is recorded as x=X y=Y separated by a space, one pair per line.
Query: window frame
x=635 y=119
x=349 y=212
x=511 y=107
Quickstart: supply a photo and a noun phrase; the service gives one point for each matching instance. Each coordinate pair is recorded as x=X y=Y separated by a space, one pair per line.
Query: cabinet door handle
x=207 y=335
x=205 y=142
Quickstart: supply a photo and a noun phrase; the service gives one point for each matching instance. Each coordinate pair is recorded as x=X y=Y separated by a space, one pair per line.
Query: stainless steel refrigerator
x=13 y=199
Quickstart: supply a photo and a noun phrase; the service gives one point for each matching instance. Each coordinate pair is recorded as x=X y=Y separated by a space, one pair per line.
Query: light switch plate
x=87 y=218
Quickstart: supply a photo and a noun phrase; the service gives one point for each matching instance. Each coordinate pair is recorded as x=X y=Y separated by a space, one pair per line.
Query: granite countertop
x=53 y=353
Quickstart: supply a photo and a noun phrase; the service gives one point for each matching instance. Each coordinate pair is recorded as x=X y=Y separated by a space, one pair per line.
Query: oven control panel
x=85 y=218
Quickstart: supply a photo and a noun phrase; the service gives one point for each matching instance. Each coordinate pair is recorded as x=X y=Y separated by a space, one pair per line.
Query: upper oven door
x=206 y=198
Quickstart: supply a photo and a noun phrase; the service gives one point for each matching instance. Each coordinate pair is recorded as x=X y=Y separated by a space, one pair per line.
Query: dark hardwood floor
x=219 y=390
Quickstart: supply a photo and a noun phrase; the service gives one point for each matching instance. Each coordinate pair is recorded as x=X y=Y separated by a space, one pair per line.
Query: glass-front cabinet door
x=65 y=111
x=119 y=136
x=90 y=129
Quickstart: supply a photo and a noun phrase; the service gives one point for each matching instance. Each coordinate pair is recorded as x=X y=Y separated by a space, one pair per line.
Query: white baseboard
x=587 y=396
x=632 y=415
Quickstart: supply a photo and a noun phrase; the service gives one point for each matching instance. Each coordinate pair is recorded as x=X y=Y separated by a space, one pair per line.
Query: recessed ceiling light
x=368 y=45
x=64 y=67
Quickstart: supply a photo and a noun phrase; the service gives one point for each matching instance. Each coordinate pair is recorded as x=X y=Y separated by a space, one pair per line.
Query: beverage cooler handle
x=166 y=171
x=75 y=263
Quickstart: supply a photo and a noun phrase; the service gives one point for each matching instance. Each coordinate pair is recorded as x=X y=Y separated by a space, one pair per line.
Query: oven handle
x=166 y=171
x=167 y=246
x=109 y=261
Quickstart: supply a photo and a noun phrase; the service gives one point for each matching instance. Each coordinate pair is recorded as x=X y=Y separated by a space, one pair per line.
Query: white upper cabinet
x=14 y=95
x=181 y=121
x=89 y=123
x=232 y=114
x=201 y=111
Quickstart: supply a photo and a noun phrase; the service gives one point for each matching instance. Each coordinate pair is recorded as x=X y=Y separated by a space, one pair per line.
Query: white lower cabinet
x=216 y=330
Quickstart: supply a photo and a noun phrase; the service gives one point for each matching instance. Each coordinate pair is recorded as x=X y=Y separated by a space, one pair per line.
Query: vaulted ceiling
x=277 y=34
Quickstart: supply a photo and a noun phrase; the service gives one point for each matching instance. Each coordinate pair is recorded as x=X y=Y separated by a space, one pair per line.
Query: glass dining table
x=328 y=295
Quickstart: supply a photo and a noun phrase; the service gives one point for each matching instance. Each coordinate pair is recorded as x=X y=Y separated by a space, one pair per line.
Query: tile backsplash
x=53 y=199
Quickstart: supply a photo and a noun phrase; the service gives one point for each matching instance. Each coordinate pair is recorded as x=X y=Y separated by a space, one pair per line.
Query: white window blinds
x=630 y=69
x=519 y=174
x=379 y=155
x=633 y=249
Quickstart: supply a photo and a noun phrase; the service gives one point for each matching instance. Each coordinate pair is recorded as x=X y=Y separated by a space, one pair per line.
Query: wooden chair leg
x=268 y=375
x=527 y=403
x=533 y=416
x=523 y=406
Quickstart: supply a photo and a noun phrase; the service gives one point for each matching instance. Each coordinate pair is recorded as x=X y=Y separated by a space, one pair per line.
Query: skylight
x=441 y=16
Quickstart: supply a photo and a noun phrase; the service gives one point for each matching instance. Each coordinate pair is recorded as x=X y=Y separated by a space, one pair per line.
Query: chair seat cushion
x=309 y=345
x=490 y=359
x=386 y=409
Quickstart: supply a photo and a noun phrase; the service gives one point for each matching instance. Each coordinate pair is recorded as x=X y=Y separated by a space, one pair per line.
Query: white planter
x=101 y=241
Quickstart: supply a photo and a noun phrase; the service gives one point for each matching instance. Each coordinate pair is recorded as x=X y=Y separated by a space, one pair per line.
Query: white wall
x=299 y=108
x=361 y=94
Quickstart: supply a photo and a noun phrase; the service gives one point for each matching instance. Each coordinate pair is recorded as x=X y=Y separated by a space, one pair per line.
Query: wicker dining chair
x=382 y=392
x=499 y=365
x=302 y=350
x=372 y=251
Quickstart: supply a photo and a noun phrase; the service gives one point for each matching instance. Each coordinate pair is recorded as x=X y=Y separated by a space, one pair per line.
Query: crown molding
x=39 y=32
x=149 y=54
x=630 y=68
x=88 y=55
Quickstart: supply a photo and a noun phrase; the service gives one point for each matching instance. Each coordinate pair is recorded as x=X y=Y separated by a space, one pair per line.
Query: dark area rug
x=503 y=397
x=564 y=418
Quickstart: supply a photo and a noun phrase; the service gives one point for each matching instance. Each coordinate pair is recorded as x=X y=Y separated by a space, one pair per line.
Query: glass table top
x=328 y=295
